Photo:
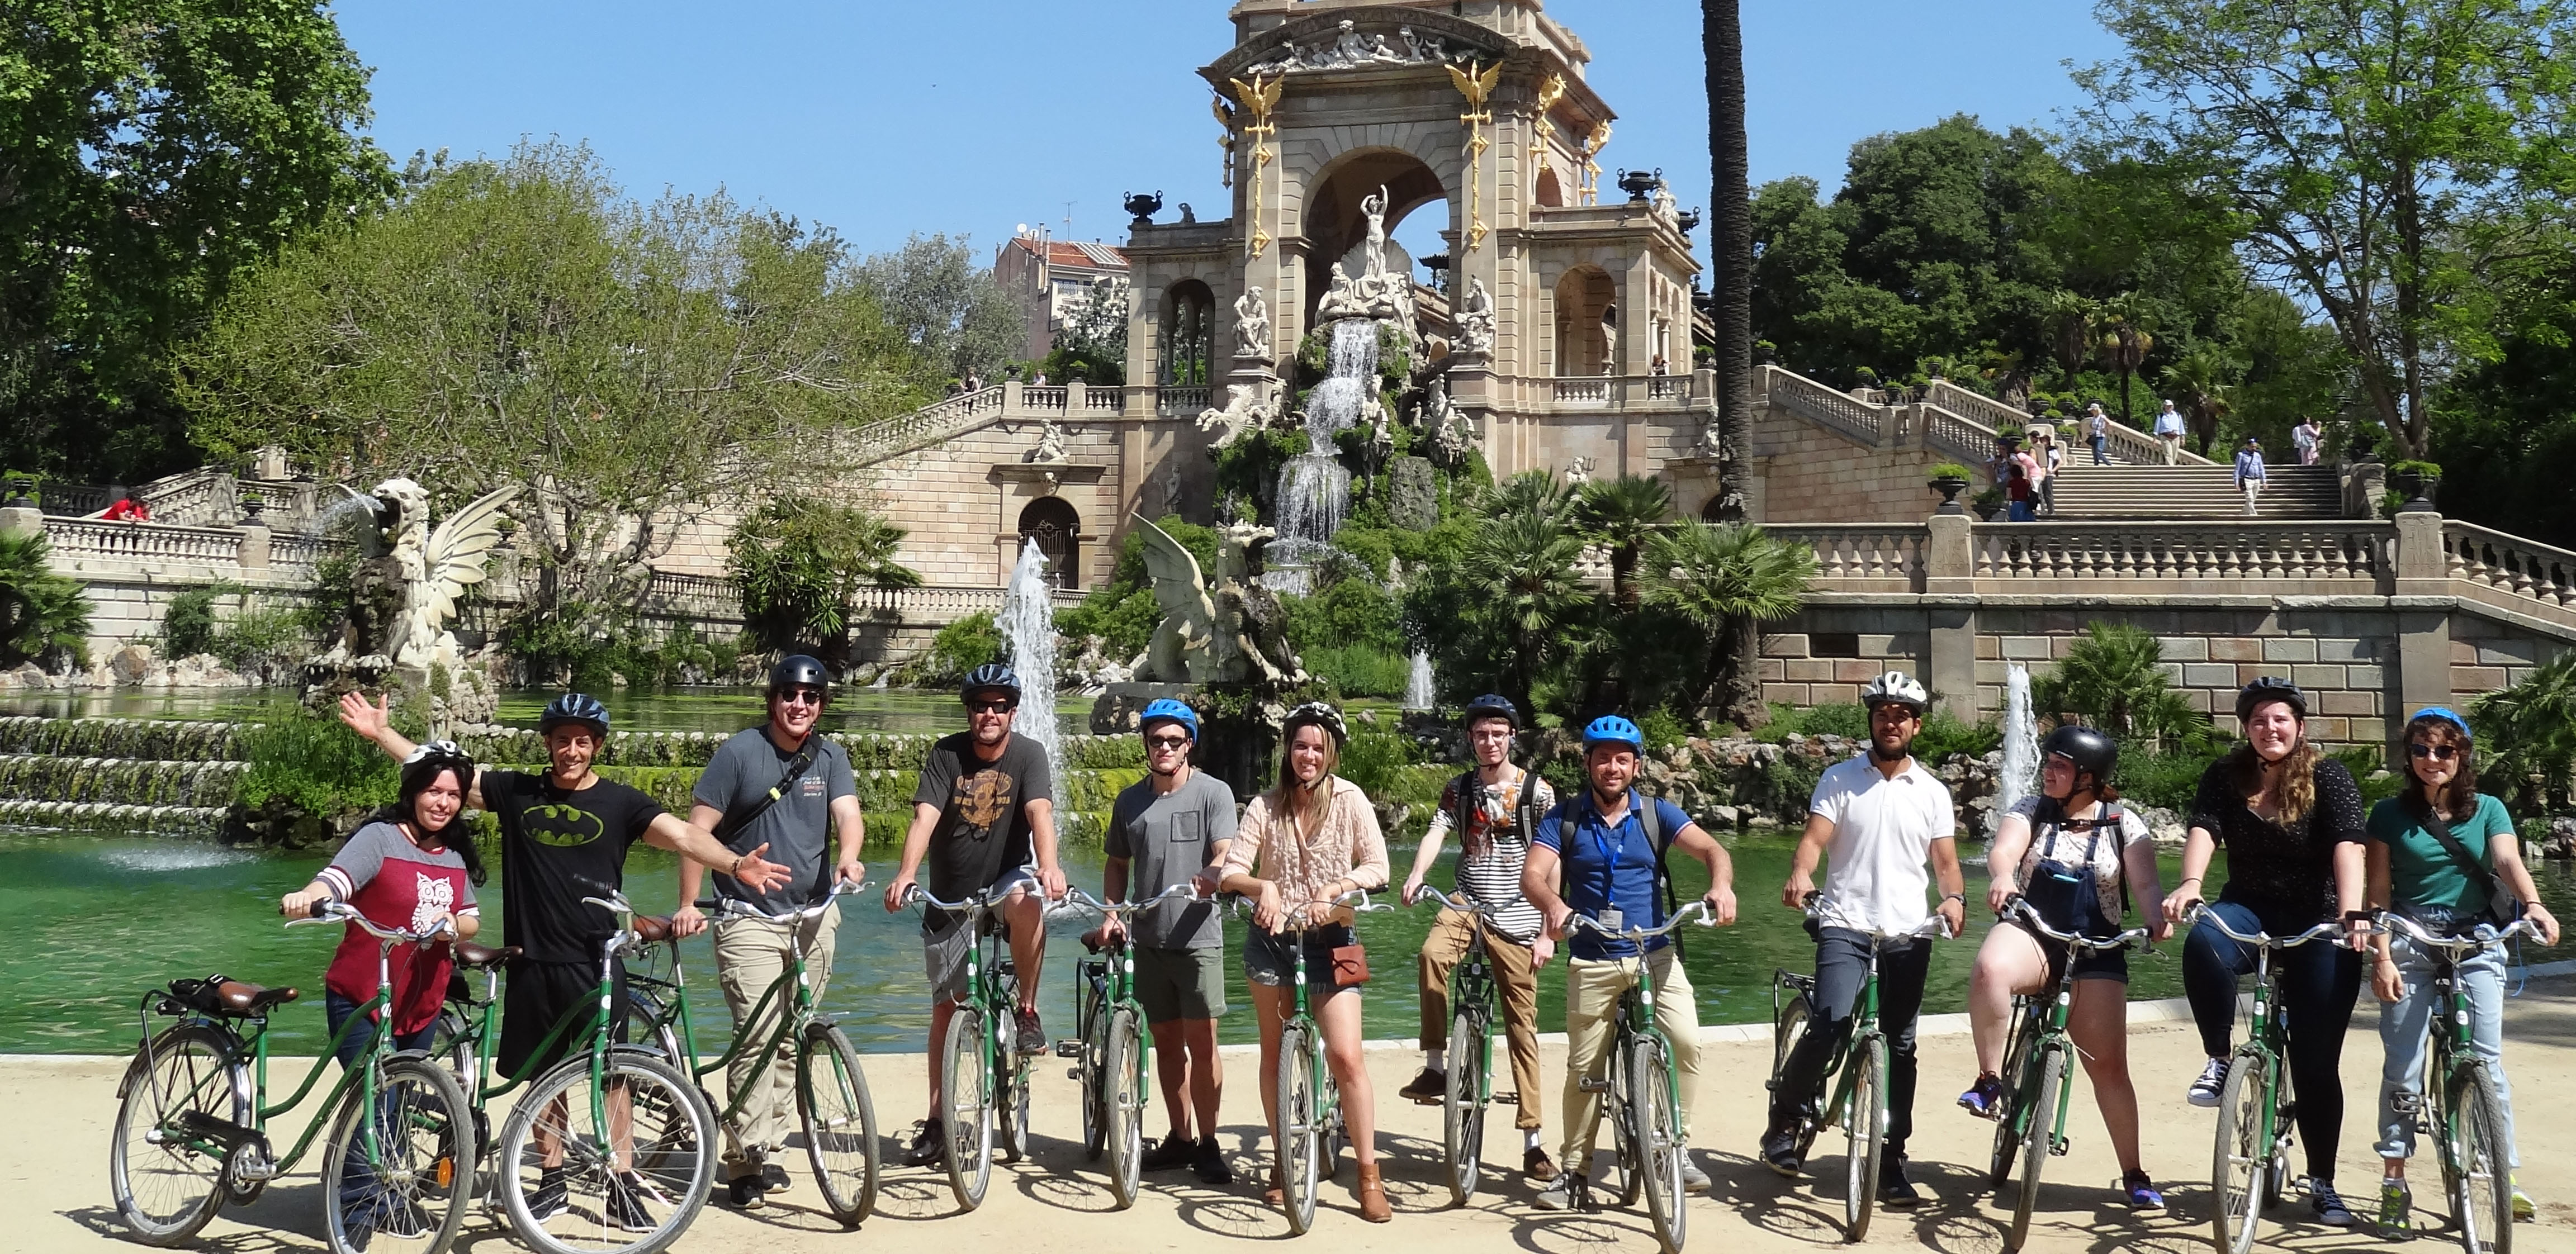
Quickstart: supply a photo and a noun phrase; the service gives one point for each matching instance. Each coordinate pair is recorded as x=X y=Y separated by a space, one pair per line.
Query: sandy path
x=53 y=1176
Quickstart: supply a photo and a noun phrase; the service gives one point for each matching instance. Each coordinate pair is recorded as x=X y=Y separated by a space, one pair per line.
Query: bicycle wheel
x=1462 y=1106
x=1014 y=1112
x=2017 y=1096
x=397 y=1173
x=966 y=1106
x=1623 y=1128
x=1785 y=1031
x=1864 y=1122
x=168 y=1183
x=1662 y=1141
x=1299 y=1143
x=1123 y=1103
x=840 y=1123
x=2036 y=1131
x=1088 y=1069
x=2478 y=1160
x=594 y=1203
x=2243 y=1155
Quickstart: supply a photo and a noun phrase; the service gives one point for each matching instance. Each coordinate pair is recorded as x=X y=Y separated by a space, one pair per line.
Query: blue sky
x=883 y=119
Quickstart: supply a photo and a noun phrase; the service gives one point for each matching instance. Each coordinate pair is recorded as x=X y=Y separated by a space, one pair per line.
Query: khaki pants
x=1442 y=951
x=749 y=955
x=1592 y=992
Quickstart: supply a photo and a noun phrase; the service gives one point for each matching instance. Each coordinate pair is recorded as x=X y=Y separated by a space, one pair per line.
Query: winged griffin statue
x=1221 y=634
x=424 y=570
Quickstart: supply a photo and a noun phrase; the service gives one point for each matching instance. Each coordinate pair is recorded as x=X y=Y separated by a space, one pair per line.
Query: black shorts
x=2096 y=964
x=535 y=996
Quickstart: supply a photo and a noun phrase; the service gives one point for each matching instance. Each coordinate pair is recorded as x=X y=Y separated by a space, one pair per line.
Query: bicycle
x=2257 y=1112
x=192 y=1116
x=1472 y=993
x=2460 y=1109
x=1110 y=1045
x=1642 y=1093
x=840 y=1121
x=2039 y=1069
x=983 y=1076
x=1306 y=1100
x=1858 y=1103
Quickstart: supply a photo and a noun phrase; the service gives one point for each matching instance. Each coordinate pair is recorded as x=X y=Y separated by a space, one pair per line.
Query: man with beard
x=1876 y=818
x=984 y=816
x=782 y=787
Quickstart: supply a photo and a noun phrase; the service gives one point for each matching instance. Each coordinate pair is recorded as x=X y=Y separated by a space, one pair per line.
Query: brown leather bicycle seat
x=475 y=957
x=652 y=929
x=237 y=998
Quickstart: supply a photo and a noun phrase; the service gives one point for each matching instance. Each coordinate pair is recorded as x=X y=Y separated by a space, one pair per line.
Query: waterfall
x=2021 y=743
x=1417 y=686
x=1314 y=489
x=1028 y=627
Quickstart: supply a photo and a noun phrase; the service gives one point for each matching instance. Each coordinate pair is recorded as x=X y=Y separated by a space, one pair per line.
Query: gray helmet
x=1899 y=688
x=799 y=669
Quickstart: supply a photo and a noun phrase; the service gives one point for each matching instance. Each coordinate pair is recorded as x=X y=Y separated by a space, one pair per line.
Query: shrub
x=317 y=766
x=1359 y=670
x=1375 y=760
x=188 y=625
x=2115 y=679
x=41 y=613
x=259 y=636
x=959 y=647
x=1953 y=470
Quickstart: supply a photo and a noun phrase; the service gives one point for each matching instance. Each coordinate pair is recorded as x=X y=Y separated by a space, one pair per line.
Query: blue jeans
x=2019 y=511
x=364 y=1205
x=336 y=1011
x=2403 y=1035
x=2101 y=450
x=2319 y=983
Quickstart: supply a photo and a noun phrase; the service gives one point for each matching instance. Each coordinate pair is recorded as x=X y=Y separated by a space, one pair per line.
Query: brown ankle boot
x=1372 y=1196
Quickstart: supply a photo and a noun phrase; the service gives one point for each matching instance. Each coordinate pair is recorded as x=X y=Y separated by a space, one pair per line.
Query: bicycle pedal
x=1590 y=1084
x=1068 y=1049
x=1505 y=1099
x=1073 y=1073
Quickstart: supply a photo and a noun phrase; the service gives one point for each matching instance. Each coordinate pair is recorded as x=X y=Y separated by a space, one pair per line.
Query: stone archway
x=1336 y=227
x=1587 y=340
x=1057 y=529
x=1189 y=337
x=1550 y=193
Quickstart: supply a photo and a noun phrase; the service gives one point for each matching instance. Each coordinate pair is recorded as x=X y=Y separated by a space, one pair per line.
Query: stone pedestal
x=21 y=520
x=253 y=552
x=1233 y=747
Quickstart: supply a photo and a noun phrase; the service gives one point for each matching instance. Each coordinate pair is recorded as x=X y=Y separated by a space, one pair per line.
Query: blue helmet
x=1492 y=705
x=1612 y=729
x=2445 y=714
x=989 y=676
x=574 y=707
x=1165 y=709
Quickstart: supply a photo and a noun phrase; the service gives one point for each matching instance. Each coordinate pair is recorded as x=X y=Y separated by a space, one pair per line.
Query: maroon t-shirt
x=396 y=884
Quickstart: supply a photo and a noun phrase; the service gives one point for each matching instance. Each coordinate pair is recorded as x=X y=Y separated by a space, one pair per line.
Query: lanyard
x=1609 y=851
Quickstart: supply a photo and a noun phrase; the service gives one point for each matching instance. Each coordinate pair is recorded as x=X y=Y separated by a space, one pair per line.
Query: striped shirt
x=1491 y=852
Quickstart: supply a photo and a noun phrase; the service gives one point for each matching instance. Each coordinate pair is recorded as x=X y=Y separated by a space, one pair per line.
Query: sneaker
x=1537 y=1165
x=2204 y=1091
x=1780 y=1152
x=1559 y=1193
x=548 y=1201
x=1175 y=1152
x=2396 y=1210
x=1985 y=1099
x=2328 y=1204
x=1895 y=1192
x=1692 y=1176
x=2143 y=1193
x=1209 y=1163
x=1429 y=1088
x=746 y=1192
x=2524 y=1209
x=929 y=1146
x=626 y=1195
x=1033 y=1038
x=774 y=1177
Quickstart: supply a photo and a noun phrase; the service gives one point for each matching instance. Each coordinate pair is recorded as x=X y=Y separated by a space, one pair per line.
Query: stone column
x=2423 y=631
x=253 y=553
x=1074 y=399
x=1950 y=614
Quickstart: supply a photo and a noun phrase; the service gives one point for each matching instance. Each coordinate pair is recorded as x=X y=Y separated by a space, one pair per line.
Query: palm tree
x=2126 y=342
x=2070 y=319
x=1622 y=514
x=1520 y=570
x=1533 y=494
x=2529 y=734
x=2198 y=382
x=40 y=611
x=2115 y=678
x=1731 y=249
x=1725 y=578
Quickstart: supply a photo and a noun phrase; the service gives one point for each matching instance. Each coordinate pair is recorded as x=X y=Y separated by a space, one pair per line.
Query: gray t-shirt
x=798 y=829
x=1168 y=838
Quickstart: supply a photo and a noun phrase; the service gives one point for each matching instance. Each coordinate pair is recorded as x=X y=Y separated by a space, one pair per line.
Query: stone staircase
x=2086 y=492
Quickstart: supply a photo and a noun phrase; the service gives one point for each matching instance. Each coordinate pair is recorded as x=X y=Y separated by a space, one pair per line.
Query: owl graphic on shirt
x=434 y=896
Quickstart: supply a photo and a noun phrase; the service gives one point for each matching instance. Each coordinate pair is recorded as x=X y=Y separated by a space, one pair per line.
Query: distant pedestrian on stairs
x=2169 y=433
x=2097 y=427
x=2048 y=457
x=2249 y=472
x=2307 y=438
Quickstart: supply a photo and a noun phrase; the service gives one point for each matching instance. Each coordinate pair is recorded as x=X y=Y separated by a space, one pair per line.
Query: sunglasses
x=801 y=696
x=991 y=707
x=1167 y=742
x=2439 y=753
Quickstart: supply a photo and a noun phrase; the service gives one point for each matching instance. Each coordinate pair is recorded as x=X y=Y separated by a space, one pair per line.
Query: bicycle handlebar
x=734 y=908
x=1680 y=917
x=2200 y=913
x=2019 y=909
x=2483 y=936
x=1121 y=909
x=1813 y=905
x=343 y=912
x=1293 y=918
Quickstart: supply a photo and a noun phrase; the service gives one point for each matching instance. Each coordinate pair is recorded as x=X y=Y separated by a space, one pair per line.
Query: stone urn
x=1949 y=486
x=2420 y=489
x=1637 y=183
x=252 y=506
x=1143 y=206
x=1988 y=511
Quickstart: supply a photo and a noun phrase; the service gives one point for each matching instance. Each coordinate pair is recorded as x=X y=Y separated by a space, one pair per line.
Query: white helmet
x=1899 y=687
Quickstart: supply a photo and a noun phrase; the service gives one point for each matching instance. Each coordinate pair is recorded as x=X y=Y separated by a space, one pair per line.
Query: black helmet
x=2268 y=688
x=799 y=669
x=2090 y=750
x=574 y=707
x=989 y=676
x=1319 y=714
x=1492 y=705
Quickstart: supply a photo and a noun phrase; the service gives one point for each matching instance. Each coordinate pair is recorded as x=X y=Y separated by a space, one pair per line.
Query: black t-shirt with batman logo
x=558 y=847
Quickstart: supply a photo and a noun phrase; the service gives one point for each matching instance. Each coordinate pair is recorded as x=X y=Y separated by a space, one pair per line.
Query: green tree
x=1518 y=573
x=1623 y=514
x=1092 y=343
x=152 y=152
x=801 y=564
x=41 y=613
x=2114 y=677
x=1731 y=244
x=2384 y=160
x=2199 y=382
x=1531 y=494
x=521 y=322
x=2528 y=733
x=947 y=305
x=1727 y=579
x=2127 y=337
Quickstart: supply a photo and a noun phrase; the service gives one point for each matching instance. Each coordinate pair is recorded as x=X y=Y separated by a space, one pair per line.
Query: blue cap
x=2447 y=715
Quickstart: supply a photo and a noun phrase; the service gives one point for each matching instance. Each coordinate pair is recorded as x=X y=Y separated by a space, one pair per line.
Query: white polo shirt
x=1876 y=877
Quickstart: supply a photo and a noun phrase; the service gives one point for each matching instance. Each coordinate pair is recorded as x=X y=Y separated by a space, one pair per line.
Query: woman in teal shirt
x=2413 y=873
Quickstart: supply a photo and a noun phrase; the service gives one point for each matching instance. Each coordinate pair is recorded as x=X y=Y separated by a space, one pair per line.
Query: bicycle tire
x=1012 y=1118
x=1123 y=1104
x=1088 y=1023
x=674 y=1155
x=2473 y=1139
x=2041 y=1125
x=425 y=1130
x=2008 y=1125
x=966 y=1107
x=1864 y=1134
x=1663 y=1143
x=840 y=1123
x=1299 y=1141
x=1462 y=1104
x=1623 y=1129
x=166 y=1192
x=2241 y=1158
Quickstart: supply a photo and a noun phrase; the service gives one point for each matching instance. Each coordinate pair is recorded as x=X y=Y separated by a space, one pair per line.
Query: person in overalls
x=2066 y=851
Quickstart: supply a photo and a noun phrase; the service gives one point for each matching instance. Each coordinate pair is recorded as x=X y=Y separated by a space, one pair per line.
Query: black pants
x=2319 y=983
x=1842 y=967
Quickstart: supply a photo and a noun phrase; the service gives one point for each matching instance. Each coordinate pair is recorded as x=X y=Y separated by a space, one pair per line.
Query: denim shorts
x=1269 y=958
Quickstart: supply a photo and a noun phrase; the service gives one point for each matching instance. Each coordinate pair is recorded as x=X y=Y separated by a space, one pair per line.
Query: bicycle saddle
x=475 y=957
x=652 y=929
x=229 y=997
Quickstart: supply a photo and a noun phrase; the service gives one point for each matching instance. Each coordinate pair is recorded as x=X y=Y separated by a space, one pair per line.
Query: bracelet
x=730 y=872
x=1961 y=898
x=2189 y=879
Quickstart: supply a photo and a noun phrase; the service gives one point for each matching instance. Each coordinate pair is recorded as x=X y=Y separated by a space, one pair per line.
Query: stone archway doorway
x=1336 y=226
x=1057 y=530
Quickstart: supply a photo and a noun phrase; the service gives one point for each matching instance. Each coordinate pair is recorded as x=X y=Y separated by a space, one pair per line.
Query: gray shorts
x=943 y=952
x=1181 y=983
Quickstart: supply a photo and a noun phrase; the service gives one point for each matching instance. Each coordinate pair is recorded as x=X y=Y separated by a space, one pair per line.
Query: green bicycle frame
x=1864 y=1026
x=1472 y=984
x=796 y=1010
x=1637 y=1022
x=2046 y=1022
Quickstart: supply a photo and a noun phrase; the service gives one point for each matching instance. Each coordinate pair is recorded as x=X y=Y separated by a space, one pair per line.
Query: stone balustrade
x=1864 y=559
x=1858 y=419
x=2204 y=557
x=2126 y=443
x=141 y=543
x=2508 y=570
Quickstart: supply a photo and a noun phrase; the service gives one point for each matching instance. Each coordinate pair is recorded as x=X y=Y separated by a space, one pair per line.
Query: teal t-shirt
x=2420 y=871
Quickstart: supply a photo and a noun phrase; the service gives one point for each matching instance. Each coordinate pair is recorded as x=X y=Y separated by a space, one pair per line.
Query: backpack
x=1647 y=817
x=1524 y=816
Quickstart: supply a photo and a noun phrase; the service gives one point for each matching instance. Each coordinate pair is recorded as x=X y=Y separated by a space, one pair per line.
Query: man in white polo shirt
x=1876 y=819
